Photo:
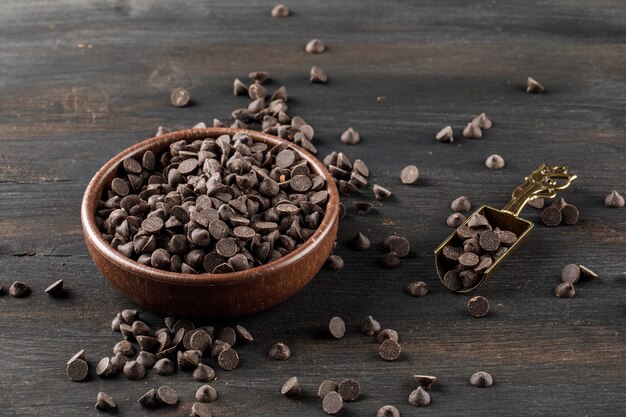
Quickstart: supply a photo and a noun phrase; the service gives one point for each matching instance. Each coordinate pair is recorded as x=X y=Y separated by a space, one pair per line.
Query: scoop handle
x=542 y=182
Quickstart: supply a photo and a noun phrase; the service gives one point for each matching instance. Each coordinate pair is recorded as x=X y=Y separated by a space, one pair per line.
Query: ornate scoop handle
x=542 y=182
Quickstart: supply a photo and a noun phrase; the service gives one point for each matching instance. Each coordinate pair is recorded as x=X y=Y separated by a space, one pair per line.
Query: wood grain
x=82 y=80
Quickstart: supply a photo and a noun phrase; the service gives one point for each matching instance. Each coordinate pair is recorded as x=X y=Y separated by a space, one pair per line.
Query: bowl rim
x=97 y=183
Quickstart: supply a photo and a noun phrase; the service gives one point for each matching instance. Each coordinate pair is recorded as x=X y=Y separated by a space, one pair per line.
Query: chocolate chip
x=315 y=46
x=388 y=411
x=349 y=389
x=280 y=10
x=551 y=216
x=334 y=263
x=104 y=367
x=104 y=402
x=461 y=204
x=77 y=368
x=120 y=187
x=570 y=273
x=179 y=97
x=337 y=327
x=586 y=272
x=389 y=350
x=291 y=387
x=481 y=379
x=149 y=399
x=259 y=76
x=489 y=240
x=417 y=289
x=419 y=398
x=614 y=200
x=203 y=373
x=533 y=86
x=494 y=161
x=280 y=352
x=147 y=359
x=478 y=306
x=397 y=244
x=472 y=131
x=445 y=135
x=425 y=381
x=134 y=370
x=318 y=75
x=370 y=326
x=409 y=175
x=455 y=220
x=228 y=359
x=56 y=289
x=350 y=137
x=188 y=360
x=125 y=348
x=452 y=280
x=117 y=363
x=482 y=121
x=332 y=403
x=206 y=394
x=570 y=214
x=536 y=203
x=564 y=290
x=389 y=260
x=469 y=260
x=19 y=289
x=477 y=221
x=200 y=410
x=360 y=167
x=380 y=193
x=164 y=367
x=326 y=387
x=361 y=242
x=167 y=395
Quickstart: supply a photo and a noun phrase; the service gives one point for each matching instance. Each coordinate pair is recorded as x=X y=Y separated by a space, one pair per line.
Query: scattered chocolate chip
x=149 y=399
x=104 y=402
x=614 y=200
x=280 y=10
x=478 y=306
x=337 y=327
x=179 y=97
x=388 y=411
x=280 y=352
x=417 y=289
x=291 y=387
x=332 y=403
x=104 y=367
x=409 y=175
x=125 y=348
x=397 y=244
x=55 y=289
x=164 y=367
x=134 y=370
x=472 y=131
x=228 y=335
x=318 y=75
x=452 y=280
x=489 y=241
x=425 y=381
x=482 y=121
x=570 y=273
x=349 y=389
x=326 y=387
x=243 y=334
x=370 y=326
x=481 y=379
x=19 y=289
x=551 y=216
x=315 y=46
x=334 y=263
x=361 y=242
x=389 y=260
x=380 y=193
x=389 y=350
x=77 y=368
x=200 y=410
x=259 y=76
x=494 y=161
x=586 y=272
x=166 y=395
x=350 y=137
x=206 y=394
x=536 y=203
x=564 y=290
x=533 y=86
x=445 y=135
x=570 y=214
x=461 y=204
x=239 y=88
x=419 y=397
x=203 y=373
x=455 y=220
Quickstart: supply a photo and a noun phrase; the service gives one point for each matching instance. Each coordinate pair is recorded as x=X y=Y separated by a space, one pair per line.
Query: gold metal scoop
x=542 y=182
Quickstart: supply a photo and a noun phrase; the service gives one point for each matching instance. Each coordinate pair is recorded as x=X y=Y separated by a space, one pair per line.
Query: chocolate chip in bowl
x=210 y=222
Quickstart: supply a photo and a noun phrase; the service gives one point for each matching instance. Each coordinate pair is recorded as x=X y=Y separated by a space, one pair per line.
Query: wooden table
x=80 y=81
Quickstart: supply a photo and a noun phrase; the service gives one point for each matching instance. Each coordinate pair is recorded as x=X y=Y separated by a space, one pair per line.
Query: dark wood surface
x=65 y=110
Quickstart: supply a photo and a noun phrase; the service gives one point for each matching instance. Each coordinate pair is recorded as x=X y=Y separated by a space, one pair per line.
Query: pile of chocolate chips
x=212 y=205
x=480 y=246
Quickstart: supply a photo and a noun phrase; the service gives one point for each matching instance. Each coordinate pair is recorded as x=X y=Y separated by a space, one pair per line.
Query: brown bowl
x=208 y=295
